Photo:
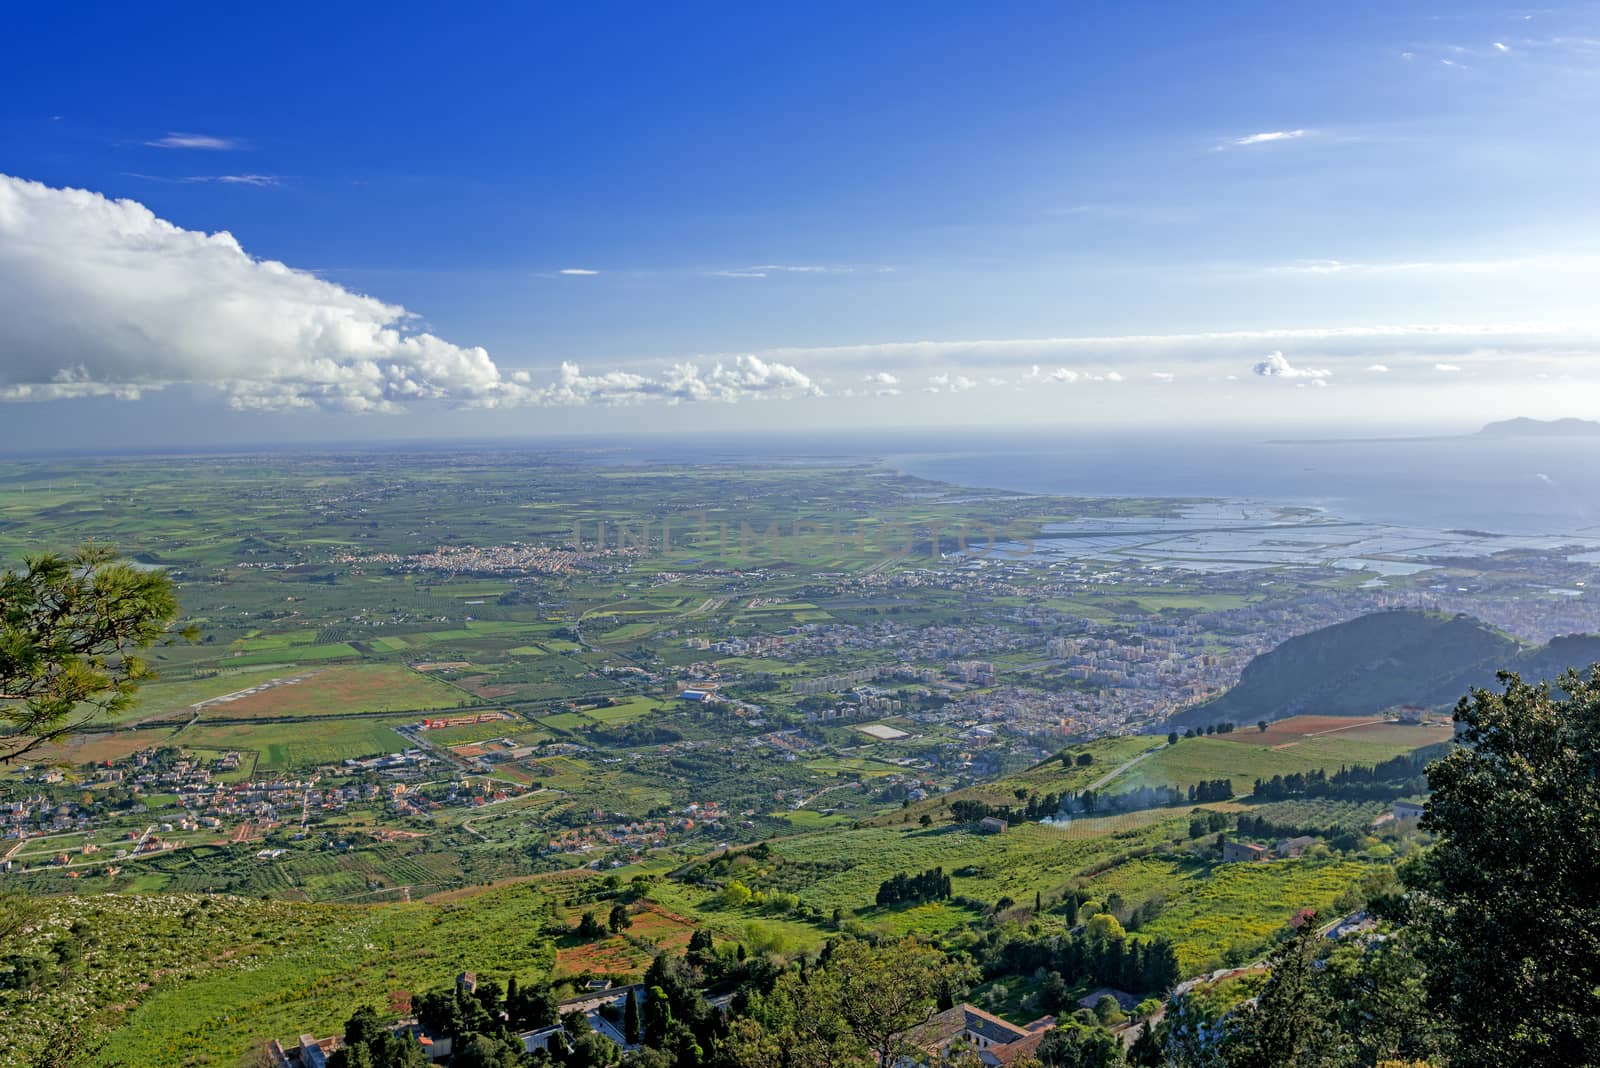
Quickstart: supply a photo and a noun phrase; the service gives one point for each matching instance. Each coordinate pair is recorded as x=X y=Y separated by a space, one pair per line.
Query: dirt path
x=1124 y=766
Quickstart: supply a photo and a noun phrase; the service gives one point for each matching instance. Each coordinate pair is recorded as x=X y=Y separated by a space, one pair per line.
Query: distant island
x=1524 y=427
x=1520 y=427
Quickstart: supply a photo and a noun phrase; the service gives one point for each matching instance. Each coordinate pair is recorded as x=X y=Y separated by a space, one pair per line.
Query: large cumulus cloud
x=99 y=297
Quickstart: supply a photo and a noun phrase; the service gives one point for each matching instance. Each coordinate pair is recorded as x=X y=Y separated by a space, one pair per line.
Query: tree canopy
x=71 y=629
x=1506 y=899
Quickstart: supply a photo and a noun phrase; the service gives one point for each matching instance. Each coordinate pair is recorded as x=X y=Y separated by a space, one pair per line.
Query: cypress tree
x=630 y=1018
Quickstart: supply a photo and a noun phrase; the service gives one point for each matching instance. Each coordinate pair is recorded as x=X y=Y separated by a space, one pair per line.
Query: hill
x=1382 y=661
x=1524 y=427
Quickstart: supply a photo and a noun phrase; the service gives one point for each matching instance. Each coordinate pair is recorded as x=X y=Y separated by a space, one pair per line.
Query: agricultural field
x=297 y=744
x=1238 y=758
x=1298 y=729
x=340 y=690
x=343 y=599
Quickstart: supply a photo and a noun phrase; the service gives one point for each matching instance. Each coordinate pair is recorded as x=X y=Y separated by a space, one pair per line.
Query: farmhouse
x=1242 y=851
x=996 y=1041
x=992 y=825
x=1407 y=810
x=1294 y=847
x=308 y=1052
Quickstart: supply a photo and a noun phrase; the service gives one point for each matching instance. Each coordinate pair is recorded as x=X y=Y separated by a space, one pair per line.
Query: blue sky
x=1062 y=215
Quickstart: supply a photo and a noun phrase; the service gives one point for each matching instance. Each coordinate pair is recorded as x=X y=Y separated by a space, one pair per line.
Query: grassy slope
x=232 y=971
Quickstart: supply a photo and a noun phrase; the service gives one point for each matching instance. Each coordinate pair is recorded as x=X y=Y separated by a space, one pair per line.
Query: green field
x=287 y=746
x=1193 y=760
x=341 y=689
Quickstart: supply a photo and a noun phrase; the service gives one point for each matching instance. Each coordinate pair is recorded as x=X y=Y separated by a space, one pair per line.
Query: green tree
x=885 y=991
x=1506 y=897
x=369 y=1043
x=1287 y=1019
x=488 y=1051
x=1072 y=1046
x=619 y=920
x=1104 y=927
x=657 y=1016
x=1189 y=1037
x=1378 y=1003
x=631 y=1028
x=1146 y=1049
x=71 y=629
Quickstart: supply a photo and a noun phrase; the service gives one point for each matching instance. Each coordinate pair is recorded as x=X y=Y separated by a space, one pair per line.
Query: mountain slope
x=1379 y=661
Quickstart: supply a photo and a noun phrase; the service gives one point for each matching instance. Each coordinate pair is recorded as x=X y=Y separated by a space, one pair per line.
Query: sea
x=1516 y=486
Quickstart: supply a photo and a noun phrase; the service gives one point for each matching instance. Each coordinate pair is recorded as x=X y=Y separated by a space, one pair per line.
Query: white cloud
x=764 y=270
x=1379 y=368
x=1268 y=137
x=748 y=376
x=102 y=298
x=1113 y=376
x=577 y=271
x=1062 y=374
x=1163 y=376
x=787 y=268
x=236 y=179
x=1554 y=261
x=1277 y=366
x=948 y=383
x=1500 y=47
x=191 y=140
x=1447 y=368
x=1217 y=349
x=886 y=384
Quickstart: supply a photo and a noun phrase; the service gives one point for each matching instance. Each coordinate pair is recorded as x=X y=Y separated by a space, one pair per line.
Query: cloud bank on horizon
x=102 y=298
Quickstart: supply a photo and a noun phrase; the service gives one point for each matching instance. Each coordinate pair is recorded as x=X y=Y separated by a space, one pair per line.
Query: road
x=828 y=790
x=1124 y=766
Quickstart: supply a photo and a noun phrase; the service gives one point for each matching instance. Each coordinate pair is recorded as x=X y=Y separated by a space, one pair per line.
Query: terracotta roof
x=1022 y=1047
